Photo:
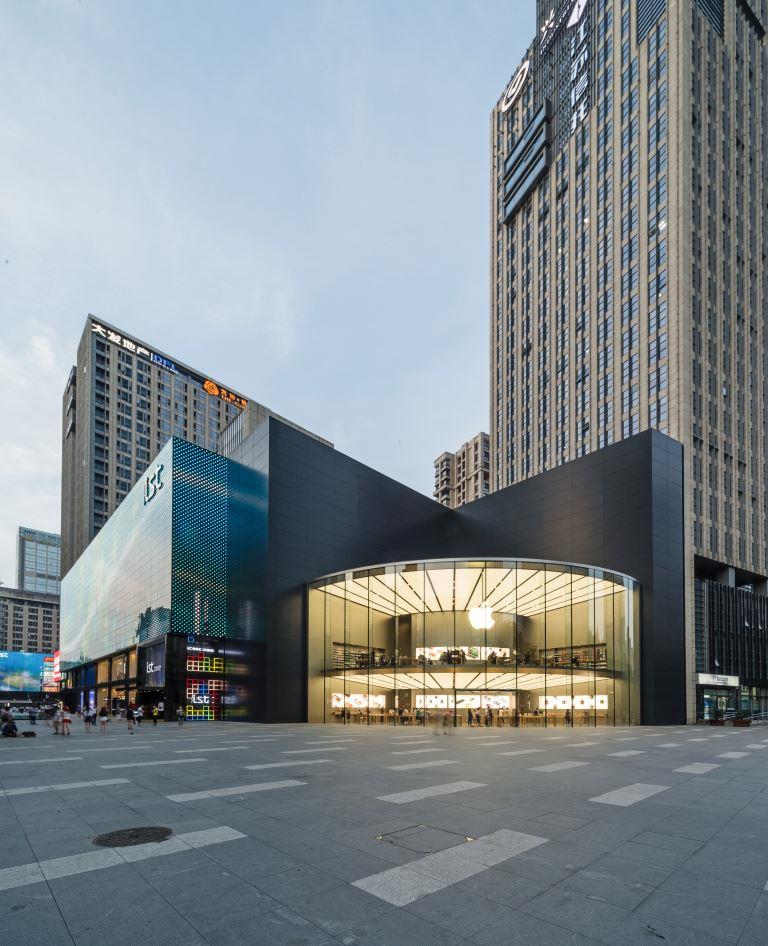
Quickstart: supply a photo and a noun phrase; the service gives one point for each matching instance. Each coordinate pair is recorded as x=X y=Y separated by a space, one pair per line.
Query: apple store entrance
x=480 y=643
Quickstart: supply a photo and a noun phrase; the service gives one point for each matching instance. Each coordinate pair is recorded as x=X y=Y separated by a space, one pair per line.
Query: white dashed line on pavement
x=521 y=751
x=413 y=751
x=284 y=765
x=324 y=749
x=630 y=794
x=698 y=768
x=235 y=790
x=403 y=885
x=212 y=749
x=422 y=765
x=137 y=765
x=64 y=786
x=557 y=766
x=417 y=794
x=26 y=874
x=67 y=758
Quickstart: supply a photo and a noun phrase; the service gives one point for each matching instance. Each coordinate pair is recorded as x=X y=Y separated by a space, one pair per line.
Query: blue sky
x=292 y=197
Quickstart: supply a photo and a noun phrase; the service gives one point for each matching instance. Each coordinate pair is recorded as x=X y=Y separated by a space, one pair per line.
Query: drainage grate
x=127 y=837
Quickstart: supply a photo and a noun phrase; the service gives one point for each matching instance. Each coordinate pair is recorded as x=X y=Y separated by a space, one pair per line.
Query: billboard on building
x=23 y=671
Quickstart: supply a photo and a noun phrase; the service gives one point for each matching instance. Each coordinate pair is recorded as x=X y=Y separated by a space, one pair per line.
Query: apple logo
x=481 y=618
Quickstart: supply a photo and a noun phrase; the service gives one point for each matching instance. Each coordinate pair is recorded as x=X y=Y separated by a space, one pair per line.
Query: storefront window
x=488 y=642
x=118 y=667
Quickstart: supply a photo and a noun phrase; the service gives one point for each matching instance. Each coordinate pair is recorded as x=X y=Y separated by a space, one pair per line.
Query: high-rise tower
x=123 y=401
x=629 y=233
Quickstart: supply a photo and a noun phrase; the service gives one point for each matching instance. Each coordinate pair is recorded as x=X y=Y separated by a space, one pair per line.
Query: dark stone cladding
x=620 y=508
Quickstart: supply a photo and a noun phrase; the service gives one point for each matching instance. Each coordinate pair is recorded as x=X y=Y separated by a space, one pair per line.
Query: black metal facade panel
x=327 y=513
x=620 y=508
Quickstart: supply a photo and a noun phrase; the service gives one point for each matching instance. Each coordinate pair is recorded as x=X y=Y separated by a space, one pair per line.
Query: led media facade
x=21 y=671
x=165 y=560
x=528 y=643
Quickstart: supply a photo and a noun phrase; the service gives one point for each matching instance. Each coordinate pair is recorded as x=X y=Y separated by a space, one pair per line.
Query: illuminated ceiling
x=464 y=680
x=514 y=588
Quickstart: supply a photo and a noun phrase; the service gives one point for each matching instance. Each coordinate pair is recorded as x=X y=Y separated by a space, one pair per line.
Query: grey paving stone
x=448 y=908
x=295 y=886
x=402 y=928
x=575 y=912
x=30 y=915
x=644 y=929
x=754 y=933
x=525 y=930
x=713 y=907
x=308 y=850
x=340 y=908
x=118 y=906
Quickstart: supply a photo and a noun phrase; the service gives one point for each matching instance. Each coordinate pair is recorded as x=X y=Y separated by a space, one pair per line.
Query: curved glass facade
x=505 y=643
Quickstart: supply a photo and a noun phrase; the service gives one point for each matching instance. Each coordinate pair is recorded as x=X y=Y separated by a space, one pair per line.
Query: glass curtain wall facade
x=502 y=643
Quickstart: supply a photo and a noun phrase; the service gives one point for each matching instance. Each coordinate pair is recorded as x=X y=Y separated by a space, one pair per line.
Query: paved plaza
x=381 y=835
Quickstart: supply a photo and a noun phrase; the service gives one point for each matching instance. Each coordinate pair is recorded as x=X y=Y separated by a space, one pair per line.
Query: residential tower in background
x=464 y=475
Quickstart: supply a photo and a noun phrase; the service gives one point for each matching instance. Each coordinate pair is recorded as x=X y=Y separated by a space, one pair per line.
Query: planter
x=717 y=722
x=742 y=722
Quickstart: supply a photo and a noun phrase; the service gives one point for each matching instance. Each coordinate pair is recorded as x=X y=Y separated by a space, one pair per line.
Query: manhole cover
x=423 y=839
x=127 y=837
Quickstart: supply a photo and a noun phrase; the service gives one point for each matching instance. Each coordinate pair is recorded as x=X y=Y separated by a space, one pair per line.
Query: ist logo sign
x=153 y=483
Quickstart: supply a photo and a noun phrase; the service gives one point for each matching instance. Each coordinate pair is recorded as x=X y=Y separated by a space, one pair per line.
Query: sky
x=291 y=197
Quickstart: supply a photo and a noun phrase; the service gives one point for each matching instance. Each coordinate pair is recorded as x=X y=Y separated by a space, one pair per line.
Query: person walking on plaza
x=139 y=715
x=56 y=720
x=103 y=718
x=180 y=715
x=155 y=714
x=66 y=719
x=88 y=718
x=470 y=717
x=33 y=716
x=129 y=717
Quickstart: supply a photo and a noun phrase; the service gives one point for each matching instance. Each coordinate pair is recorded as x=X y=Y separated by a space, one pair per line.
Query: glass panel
x=558 y=701
x=481 y=643
x=532 y=644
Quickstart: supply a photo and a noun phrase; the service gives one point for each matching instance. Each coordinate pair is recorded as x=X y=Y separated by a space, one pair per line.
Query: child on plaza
x=65 y=721
x=129 y=717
